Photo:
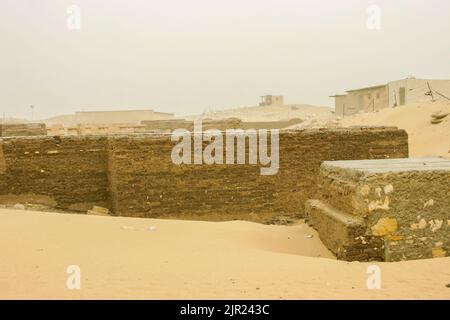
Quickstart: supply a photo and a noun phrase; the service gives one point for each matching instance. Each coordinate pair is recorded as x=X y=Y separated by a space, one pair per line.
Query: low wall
x=68 y=172
x=136 y=174
x=23 y=129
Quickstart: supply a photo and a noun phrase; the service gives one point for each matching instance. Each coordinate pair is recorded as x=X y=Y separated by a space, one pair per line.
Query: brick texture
x=134 y=175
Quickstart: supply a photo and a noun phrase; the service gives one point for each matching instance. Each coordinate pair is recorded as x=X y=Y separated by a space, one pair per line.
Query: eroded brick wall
x=134 y=174
x=72 y=171
x=146 y=183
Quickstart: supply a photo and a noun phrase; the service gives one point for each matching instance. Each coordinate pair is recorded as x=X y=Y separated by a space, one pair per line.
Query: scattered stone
x=436 y=121
x=128 y=228
x=439 y=116
x=152 y=228
x=98 y=211
x=19 y=206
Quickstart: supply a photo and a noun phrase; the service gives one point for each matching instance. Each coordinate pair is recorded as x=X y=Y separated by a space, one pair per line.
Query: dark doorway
x=402 y=94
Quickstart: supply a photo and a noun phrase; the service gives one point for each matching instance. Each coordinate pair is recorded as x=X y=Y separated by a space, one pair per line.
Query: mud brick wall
x=70 y=171
x=145 y=183
x=134 y=175
x=25 y=129
x=405 y=203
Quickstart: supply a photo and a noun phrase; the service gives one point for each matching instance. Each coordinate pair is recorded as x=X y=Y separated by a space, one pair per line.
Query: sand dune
x=157 y=259
x=271 y=113
x=425 y=139
x=123 y=258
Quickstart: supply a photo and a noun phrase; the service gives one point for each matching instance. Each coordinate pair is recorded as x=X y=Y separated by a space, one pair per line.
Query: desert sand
x=135 y=258
x=272 y=113
x=425 y=139
x=158 y=259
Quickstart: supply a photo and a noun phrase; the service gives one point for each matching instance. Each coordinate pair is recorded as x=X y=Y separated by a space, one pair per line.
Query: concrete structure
x=134 y=175
x=392 y=94
x=270 y=100
x=391 y=210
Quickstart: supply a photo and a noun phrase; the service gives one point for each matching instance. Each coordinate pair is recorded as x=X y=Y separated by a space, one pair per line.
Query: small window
x=378 y=95
x=370 y=96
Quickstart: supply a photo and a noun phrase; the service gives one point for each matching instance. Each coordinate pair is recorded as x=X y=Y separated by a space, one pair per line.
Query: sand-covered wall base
x=134 y=175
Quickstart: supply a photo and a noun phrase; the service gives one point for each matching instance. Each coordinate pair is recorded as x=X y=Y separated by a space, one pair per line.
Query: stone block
x=406 y=202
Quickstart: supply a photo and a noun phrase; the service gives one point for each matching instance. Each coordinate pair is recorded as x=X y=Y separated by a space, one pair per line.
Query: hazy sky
x=188 y=56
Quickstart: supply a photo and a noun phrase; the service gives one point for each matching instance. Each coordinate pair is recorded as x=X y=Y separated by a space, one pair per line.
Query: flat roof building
x=392 y=94
x=270 y=100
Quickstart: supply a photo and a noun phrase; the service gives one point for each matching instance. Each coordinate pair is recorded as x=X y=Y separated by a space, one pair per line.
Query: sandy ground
x=123 y=258
x=425 y=139
x=307 y=113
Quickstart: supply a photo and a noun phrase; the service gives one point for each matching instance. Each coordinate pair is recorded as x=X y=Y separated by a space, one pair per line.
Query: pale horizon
x=186 y=58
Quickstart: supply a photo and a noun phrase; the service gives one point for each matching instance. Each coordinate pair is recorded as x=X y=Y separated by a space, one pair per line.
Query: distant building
x=269 y=100
x=392 y=94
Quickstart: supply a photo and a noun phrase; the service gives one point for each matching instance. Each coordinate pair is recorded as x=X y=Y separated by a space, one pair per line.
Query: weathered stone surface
x=134 y=175
x=342 y=233
x=98 y=211
x=406 y=202
x=384 y=227
x=144 y=182
x=75 y=176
